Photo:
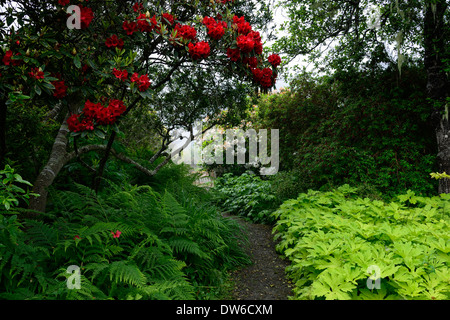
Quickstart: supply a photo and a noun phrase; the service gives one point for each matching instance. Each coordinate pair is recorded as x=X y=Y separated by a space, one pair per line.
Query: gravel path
x=265 y=279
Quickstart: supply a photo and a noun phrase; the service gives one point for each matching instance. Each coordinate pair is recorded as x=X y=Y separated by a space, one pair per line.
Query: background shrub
x=246 y=195
x=359 y=128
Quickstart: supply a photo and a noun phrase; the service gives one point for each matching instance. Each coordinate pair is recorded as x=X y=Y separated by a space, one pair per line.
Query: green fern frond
x=177 y=289
x=183 y=245
x=127 y=272
x=171 y=206
x=166 y=268
x=41 y=234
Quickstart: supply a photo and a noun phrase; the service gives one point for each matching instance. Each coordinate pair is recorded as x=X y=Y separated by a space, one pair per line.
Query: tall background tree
x=340 y=37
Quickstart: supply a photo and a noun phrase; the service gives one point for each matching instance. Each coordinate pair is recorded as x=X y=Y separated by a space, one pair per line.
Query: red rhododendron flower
x=257 y=74
x=91 y=110
x=258 y=48
x=266 y=80
x=168 y=18
x=138 y=7
x=208 y=21
x=186 y=31
x=263 y=77
x=110 y=114
x=105 y=116
x=98 y=113
x=117 y=107
x=257 y=40
x=87 y=124
x=120 y=74
x=114 y=41
x=216 y=31
x=255 y=35
x=86 y=16
x=76 y=237
x=63 y=2
x=244 y=27
x=134 y=77
x=143 y=81
x=74 y=123
x=36 y=73
x=130 y=27
x=7 y=59
x=274 y=60
x=60 y=89
x=245 y=43
x=251 y=61
x=237 y=20
x=199 y=50
x=233 y=54
x=143 y=24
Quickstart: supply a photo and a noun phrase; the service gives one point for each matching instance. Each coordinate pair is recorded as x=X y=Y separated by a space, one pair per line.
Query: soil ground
x=265 y=279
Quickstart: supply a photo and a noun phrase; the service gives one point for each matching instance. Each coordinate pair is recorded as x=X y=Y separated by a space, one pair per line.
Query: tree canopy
x=175 y=60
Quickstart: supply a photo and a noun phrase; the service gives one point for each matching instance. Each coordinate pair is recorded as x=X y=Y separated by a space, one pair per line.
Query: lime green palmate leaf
x=334 y=284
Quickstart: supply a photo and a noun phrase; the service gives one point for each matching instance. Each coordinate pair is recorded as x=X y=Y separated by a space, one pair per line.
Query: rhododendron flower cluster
x=138 y=7
x=249 y=46
x=120 y=74
x=75 y=125
x=185 y=32
x=252 y=62
x=86 y=16
x=233 y=54
x=95 y=112
x=263 y=77
x=142 y=81
x=60 y=89
x=274 y=60
x=199 y=50
x=114 y=41
x=243 y=26
x=245 y=43
x=130 y=27
x=36 y=73
x=168 y=18
x=216 y=30
x=144 y=25
x=7 y=59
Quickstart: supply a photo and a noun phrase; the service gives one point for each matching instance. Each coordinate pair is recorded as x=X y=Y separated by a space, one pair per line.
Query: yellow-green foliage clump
x=336 y=241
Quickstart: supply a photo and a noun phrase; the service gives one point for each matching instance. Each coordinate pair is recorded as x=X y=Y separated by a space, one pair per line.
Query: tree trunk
x=437 y=84
x=58 y=158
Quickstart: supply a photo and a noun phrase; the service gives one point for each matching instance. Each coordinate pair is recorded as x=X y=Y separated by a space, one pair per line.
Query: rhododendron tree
x=125 y=56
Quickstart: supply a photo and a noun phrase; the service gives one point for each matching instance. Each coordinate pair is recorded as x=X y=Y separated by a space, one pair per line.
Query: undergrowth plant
x=345 y=247
x=246 y=195
x=129 y=242
x=11 y=192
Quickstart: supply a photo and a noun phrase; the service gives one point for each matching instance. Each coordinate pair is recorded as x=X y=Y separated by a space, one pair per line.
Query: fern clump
x=128 y=242
x=344 y=247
